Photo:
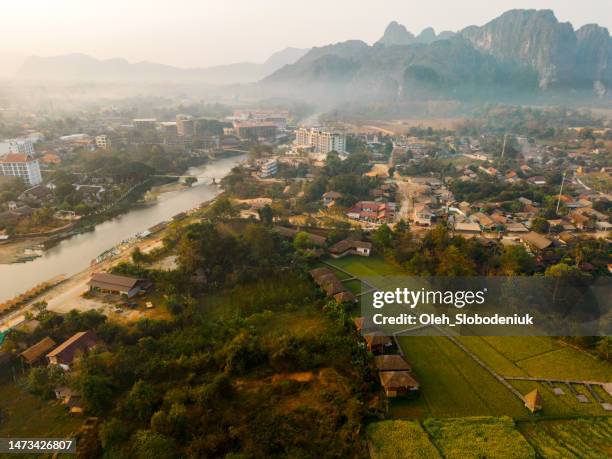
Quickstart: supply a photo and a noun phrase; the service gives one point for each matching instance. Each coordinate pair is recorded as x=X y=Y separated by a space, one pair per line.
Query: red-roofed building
x=21 y=165
x=372 y=211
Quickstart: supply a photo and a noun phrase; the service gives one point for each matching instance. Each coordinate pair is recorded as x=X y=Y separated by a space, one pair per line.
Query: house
x=533 y=401
x=535 y=242
x=579 y=220
x=516 y=228
x=485 y=222
x=329 y=198
x=537 y=180
x=422 y=215
x=120 y=285
x=290 y=233
x=467 y=229
x=372 y=211
x=376 y=341
x=350 y=247
x=34 y=353
x=65 y=354
x=499 y=218
x=391 y=362
x=398 y=383
x=327 y=280
x=603 y=226
x=70 y=398
x=345 y=297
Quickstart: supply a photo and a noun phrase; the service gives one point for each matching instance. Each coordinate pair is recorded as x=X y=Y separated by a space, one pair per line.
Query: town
x=420 y=201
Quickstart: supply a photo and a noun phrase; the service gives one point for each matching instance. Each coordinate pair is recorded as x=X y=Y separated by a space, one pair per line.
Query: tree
x=43 y=380
x=540 y=225
x=97 y=391
x=142 y=400
x=138 y=257
x=302 y=241
x=383 y=236
x=455 y=263
x=515 y=260
x=222 y=209
x=266 y=215
x=148 y=444
x=562 y=270
x=112 y=434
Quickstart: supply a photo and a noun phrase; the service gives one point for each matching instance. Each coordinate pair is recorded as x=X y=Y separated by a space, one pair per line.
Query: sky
x=199 y=33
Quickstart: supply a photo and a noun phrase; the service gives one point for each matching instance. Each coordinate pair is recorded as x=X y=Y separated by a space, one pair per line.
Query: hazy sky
x=190 y=33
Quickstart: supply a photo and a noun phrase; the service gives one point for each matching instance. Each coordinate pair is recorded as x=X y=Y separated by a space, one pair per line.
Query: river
x=74 y=254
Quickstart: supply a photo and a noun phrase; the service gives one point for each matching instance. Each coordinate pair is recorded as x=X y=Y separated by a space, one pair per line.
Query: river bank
x=72 y=255
x=142 y=194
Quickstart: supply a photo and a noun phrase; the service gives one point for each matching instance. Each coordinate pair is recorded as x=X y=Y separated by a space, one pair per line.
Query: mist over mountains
x=520 y=51
x=80 y=67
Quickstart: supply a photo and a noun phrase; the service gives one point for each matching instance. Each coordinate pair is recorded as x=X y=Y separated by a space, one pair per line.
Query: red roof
x=17 y=158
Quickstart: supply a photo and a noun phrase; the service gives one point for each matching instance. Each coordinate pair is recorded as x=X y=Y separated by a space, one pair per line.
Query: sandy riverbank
x=10 y=251
x=155 y=191
x=68 y=295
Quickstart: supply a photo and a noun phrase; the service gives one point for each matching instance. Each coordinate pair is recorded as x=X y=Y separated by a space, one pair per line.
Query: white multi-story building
x=21 y=165
x=103 y=141
x=269 y=168
x=23 y=145
x=320 y=140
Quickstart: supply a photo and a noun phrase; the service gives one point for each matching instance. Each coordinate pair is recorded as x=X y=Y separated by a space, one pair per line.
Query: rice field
x=399 y=440
x=573 y=438
x=452 y=384
x=567 y=363
x=467 y=438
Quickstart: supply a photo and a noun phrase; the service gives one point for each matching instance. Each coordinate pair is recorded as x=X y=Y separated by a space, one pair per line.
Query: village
x=349 y=205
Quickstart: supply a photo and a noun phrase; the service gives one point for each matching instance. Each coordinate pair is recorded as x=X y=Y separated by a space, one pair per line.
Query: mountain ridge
x=79 y=66
x=521 y=50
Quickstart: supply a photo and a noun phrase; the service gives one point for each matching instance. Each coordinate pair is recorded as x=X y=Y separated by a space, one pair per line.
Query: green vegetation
x=363 y=267
x=251 y=362
x=575 y=438
x=26 y=415
x=399 y=440
x=452 y=384
x=478 y=437
x=537 y=356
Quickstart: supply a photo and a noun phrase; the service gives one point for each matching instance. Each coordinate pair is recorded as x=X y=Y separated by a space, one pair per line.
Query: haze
x=196 y=33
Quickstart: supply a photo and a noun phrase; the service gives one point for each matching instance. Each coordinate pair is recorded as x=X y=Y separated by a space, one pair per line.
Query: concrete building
x=144 y=124
x=278 y=117
x=21 y=165
x=320 y=140
x=103 y=141
x=185 y=125
x=269 y=168
x=254 y=129
x=22 y=145
x=169 y=128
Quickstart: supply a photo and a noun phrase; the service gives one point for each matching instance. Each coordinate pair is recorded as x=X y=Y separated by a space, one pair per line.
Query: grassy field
x=399 y=439
x=25 y=415
x=452 y=384
x=575 y=438
x=478 y=438
x=364 y=267
x=567 y=363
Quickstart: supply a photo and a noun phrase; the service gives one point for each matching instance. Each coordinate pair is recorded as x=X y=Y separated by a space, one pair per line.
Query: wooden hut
x=533 y=401
x=398 y=383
